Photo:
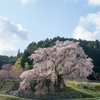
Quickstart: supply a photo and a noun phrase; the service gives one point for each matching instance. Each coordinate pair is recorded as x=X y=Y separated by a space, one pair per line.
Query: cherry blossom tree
x=65 y=60
x=7 y=74
x=4 y=75
x=14 y=75
x=6 y=67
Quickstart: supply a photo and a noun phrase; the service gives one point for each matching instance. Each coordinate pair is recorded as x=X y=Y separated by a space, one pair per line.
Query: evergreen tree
x=25 y=59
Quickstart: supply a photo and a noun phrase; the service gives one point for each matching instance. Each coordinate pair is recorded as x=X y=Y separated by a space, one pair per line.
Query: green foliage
x=27 y=66
x=25 y=59
x=9 y=60
x=6 y=60
x=92 y=49
x=96 y=69
x=17 y=66
x=19 y=54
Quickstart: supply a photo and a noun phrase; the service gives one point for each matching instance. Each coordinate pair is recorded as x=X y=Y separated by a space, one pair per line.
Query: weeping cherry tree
x=64 y=61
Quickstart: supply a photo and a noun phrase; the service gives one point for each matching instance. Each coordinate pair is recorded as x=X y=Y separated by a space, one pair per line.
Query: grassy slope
x=9 y=97
x=87 y=94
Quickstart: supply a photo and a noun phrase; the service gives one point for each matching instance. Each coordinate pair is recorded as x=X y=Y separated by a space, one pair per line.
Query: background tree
x=27 y=66
x=14 y=75
x=18 y=54
x=65 y=60
x=7 y=74
x=4 y=75
x=17 y=66
x=25 y=59
x=6 y=67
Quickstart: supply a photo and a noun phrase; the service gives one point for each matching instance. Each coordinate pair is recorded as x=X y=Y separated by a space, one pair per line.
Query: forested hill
x=6 y=60
x=91 y=48
x=9 y=60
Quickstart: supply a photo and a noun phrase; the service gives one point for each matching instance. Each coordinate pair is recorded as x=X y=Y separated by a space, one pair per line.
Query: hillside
x=91 y=48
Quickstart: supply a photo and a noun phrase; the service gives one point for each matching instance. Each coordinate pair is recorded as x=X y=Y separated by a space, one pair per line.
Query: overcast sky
x=26 y=21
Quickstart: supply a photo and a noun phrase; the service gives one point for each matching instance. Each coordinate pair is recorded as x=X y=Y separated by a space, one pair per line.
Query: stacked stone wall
x=30 y=95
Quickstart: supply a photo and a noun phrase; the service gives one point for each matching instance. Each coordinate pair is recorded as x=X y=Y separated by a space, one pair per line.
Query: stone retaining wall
x=30 y=95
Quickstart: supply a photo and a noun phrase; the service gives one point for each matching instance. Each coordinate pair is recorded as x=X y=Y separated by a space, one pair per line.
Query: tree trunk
x=60 y=85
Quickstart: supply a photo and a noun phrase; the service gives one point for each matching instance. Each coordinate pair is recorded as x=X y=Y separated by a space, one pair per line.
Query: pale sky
x=26 y=21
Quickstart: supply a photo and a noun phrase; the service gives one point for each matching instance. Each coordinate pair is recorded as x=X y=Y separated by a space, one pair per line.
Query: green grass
x=87 y=94
x=9 y=97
